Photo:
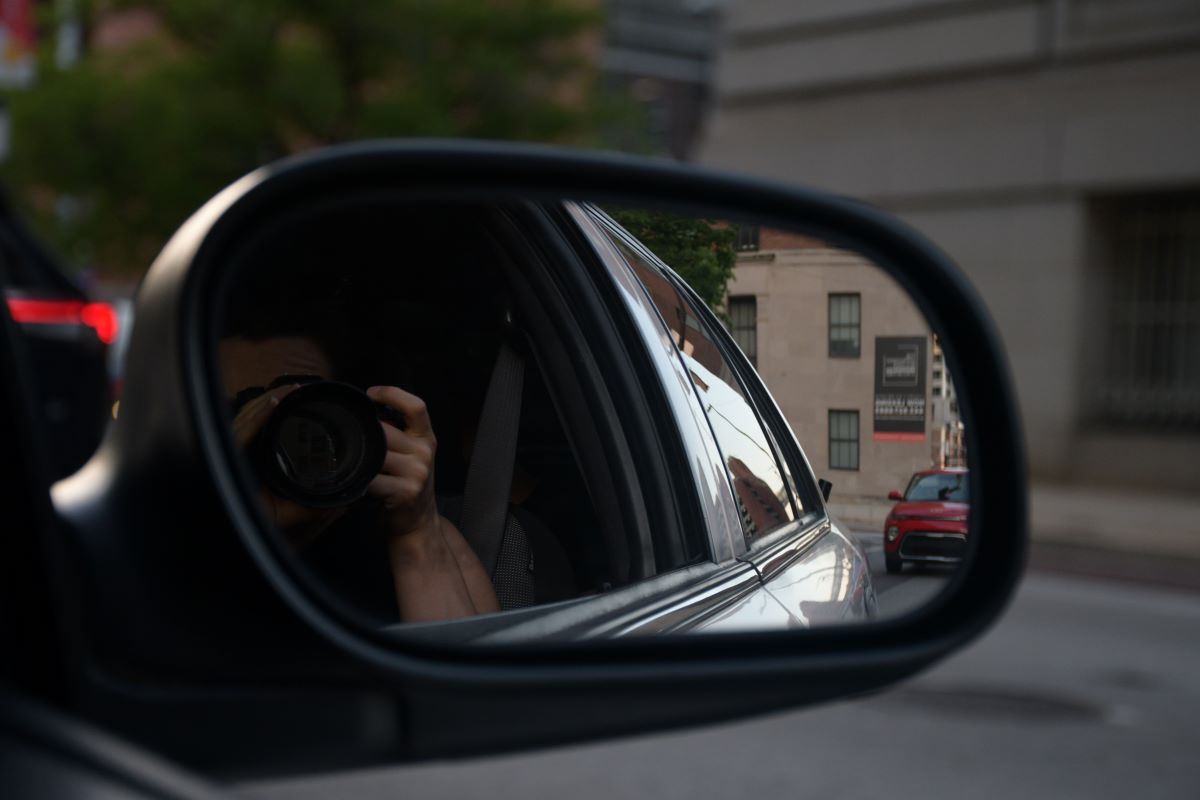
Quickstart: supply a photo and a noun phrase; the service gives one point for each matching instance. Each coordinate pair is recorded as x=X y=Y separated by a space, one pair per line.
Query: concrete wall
x=990 y=126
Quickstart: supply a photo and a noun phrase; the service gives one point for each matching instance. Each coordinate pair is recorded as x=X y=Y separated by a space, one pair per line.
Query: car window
x=763 y=495
x=942 y=487
x=431 y=340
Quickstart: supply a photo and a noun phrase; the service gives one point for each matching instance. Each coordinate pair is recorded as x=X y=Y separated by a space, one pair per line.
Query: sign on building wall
x=900 y=388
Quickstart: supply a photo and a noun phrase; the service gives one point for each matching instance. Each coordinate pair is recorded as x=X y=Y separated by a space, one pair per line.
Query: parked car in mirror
x=928 y=523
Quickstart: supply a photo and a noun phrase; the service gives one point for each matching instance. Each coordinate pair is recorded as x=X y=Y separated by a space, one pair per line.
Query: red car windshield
x=945 y=488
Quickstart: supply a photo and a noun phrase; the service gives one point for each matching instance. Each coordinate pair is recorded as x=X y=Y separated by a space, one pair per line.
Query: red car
x=928 y=524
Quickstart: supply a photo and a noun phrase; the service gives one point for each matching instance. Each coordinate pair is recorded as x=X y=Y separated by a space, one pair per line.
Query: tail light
x=100 y=317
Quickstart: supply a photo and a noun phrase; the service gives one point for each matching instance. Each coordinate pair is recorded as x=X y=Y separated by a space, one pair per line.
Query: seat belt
x=489 y=475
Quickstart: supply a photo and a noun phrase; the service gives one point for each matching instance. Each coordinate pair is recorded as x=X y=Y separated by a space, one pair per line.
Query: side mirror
x=894 y=495
x=704 y=576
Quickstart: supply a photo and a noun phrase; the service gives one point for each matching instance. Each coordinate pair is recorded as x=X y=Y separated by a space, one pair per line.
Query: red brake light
x=45 y=312
x=100 y=317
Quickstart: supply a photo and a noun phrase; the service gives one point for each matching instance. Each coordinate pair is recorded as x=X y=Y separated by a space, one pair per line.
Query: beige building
x=811 y=316
x=1051 y=148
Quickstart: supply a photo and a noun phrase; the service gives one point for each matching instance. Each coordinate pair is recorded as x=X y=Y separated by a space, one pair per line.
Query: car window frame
x=789 y=453
x=804 y=515
x=730 y=351
x=721 y=519
x=711 y=324
x=769 y=414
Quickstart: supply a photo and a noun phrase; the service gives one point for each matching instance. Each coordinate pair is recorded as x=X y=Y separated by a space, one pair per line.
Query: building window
x=747 y=237
x=1148 y=375
x=843 y=440
x=743 y=324
x=845 y=320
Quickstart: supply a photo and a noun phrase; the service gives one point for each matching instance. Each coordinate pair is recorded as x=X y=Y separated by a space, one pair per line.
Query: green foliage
x=113 y=153
x=702 y=251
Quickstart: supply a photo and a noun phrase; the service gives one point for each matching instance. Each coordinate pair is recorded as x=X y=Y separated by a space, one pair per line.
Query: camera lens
x=322 y=446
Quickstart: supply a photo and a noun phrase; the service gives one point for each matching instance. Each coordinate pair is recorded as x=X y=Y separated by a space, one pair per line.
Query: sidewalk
x=1119 y=535
x=1166 y=526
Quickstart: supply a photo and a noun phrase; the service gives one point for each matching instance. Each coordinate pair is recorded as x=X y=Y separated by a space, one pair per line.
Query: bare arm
x=437 y=575
x=479 y=584
x=431 y=584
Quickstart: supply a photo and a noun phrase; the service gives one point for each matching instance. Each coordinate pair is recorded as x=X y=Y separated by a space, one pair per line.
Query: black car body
x=68 y=335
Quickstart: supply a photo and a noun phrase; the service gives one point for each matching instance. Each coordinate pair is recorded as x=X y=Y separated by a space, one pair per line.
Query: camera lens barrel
x=322 y=445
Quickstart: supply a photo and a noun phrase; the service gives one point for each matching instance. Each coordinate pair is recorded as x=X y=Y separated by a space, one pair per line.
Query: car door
x=807 y=569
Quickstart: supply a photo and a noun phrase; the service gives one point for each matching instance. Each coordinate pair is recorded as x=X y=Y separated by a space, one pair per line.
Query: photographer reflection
x=435 y=575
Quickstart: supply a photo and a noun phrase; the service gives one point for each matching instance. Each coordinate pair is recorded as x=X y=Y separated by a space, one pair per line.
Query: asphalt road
x=1084 y=689
x=914 y=587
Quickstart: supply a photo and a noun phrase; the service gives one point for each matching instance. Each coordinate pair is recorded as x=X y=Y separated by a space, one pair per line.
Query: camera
x=323 y=443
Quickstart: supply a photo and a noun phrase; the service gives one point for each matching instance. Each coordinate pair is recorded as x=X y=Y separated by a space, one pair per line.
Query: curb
x=1146 y=569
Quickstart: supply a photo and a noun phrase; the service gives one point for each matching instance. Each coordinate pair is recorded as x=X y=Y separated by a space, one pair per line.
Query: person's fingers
x=416 y=415
x=404 y=465
x=395 y=491
x=253 y=416
x=399 y=441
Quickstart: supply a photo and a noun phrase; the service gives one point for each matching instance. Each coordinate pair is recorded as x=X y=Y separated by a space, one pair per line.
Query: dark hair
x=293 y=293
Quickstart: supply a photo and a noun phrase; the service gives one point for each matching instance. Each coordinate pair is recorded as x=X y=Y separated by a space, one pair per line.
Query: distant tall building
x=949 y=448
x=1050 y=147
x=662 y=52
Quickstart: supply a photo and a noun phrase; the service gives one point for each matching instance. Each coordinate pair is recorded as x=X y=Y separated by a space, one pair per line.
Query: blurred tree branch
x=112 y=154
x=702 y=251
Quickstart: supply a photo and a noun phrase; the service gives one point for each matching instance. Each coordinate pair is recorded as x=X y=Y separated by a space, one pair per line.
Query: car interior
x=431 y=320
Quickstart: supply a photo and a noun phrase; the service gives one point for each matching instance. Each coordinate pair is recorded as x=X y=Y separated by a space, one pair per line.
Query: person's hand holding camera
x=437 y=573
x=404 y=485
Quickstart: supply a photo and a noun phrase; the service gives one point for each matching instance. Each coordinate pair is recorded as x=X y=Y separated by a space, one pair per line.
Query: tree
x=112 y=154
x=700 y=250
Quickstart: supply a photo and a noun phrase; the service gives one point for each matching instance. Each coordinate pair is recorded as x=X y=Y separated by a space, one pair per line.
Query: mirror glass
x=517 y=420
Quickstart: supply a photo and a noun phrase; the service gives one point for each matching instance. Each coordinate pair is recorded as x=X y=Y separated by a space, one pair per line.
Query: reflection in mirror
x=418 y=390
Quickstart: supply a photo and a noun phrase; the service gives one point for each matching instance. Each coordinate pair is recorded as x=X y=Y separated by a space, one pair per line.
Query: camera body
x=323 y=444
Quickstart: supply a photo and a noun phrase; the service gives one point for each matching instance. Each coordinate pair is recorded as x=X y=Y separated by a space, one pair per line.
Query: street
x=912 y=588
x=1084 y=689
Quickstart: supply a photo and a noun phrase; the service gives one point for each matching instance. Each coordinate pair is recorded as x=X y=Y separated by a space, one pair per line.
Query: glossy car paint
x=820 y=576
